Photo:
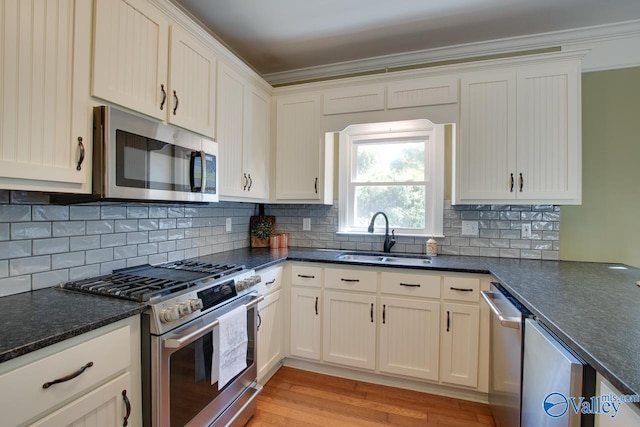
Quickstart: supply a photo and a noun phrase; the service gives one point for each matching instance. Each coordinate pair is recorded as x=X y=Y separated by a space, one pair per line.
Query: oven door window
x=190 y=387
x=150 y=164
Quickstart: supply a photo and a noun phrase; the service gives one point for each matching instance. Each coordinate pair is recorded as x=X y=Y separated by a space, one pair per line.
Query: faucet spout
x=388 y=241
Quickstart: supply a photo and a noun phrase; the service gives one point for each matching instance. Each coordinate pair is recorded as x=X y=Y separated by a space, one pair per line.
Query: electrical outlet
x=306 y=224
x=526 y=231
x=469 y=228
x=228 y=227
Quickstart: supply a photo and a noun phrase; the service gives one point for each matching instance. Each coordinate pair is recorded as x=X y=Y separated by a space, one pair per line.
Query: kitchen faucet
x=388 y=242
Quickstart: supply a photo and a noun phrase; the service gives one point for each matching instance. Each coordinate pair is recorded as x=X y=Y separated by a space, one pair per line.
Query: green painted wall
x=606 y=227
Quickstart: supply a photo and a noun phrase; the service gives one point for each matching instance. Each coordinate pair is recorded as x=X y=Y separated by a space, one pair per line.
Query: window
x=396 y=168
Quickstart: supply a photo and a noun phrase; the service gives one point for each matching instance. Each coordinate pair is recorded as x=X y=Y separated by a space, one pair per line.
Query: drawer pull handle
x=271 y=282
x=259 y=321
x=448 y=321
x=350 y=280
x=304 y=276
x=316 y=306
x=384 y=314
x=410 y=285
x=371 y=312
x=68 y=377
x=461 y=289
x=127 y=404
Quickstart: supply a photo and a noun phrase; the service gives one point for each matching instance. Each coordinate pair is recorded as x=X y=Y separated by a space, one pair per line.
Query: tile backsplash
x=42 y=244
x=499 y=231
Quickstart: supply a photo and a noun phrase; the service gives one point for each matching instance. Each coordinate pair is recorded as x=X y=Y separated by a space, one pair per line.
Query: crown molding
x=382 y=64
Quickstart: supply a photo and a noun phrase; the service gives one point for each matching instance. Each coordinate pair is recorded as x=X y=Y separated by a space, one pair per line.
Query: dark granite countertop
x=34 y=320
x=593 y=308
x=590 y=306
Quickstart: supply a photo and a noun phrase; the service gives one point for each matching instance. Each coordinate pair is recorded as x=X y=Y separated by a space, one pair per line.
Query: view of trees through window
x=390 y=176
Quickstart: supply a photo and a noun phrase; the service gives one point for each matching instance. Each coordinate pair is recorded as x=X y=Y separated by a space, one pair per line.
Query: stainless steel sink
x=384 y=258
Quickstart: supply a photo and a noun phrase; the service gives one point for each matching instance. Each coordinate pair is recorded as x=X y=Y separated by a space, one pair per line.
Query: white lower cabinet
x=409 y=337
x=106 y=406
x=349 y=329
x=627 y=415
x=460 y=344
x=89 y=380
x=305 y=322
x=270 y=340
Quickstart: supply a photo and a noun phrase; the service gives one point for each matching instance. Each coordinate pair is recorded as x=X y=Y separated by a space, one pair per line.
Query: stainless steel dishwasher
x=505 y=357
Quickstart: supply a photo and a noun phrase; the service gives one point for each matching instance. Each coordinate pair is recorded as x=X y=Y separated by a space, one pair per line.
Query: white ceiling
x=282 y=35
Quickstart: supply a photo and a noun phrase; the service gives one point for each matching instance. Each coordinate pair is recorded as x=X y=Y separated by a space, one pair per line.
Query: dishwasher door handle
x=508 y=322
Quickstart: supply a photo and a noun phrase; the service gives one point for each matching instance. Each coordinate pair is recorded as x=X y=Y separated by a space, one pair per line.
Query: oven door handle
x=191 y=336
x=506 y=321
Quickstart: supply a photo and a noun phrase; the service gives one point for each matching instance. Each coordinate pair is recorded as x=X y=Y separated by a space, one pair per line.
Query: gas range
x=176 y=292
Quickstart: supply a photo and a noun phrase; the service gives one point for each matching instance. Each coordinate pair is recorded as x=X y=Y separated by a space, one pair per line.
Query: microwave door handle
x=192 y=171
x=188 y=338
x=203 y=179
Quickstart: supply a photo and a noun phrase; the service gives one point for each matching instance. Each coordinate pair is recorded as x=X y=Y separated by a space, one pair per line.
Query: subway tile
x=4 y=196
x=449 y=250
x=126 y=225
x=49 y=278
x=99 y=255
x=191 y=212
x=12 y=213
x=530 y=254
x=158 y=258
x=175 y=234
x=175 y=212
x=4 y=269
x=148 y=249
x=183 y=244
x=205 y=250
x=542 y=245
x=51 y=246
x=175 y=255
x=509 y=253
x=16 y=249
x=541 y=225
x=113 y=212
x=69 y=228
x=469 y=251
x=531 y=216
x=137 y=238
x=108 y=267
x=50 y=213
x=4 y=231
x=550 y=255
x=111 y=240
x=489 y=233
x=157 y=212
x=520 y=244
x=137 y=212
x=193 y=252
x=15 y=285
x=459 y=241
x=157 y=235
x=84 y=213
x=551 y=235
x=490 y=252
x=509 y=216
x=100 y=226
x=124 y=252
x=469 y=215
x=479 y=242
x=510 y=234
x=84 y=272
x=501 y=225
x=83 y=243
x=191 y=233
x=167 y=223
x=542 y=208
x=499 y=243
x=489 y=215
x=185 y=223
x=34 y=264
x=148 y=224
x=67 y=260
x=30 y=230
x=29 y=198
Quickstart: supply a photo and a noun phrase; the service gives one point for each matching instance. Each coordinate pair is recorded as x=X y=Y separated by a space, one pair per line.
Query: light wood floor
x=299 y=398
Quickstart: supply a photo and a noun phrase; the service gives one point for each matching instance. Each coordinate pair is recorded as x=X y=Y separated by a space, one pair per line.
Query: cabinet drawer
x=409 y=284
x=271 y=279
x=21 y=390
x=462 y=288
x=303 y=275
x=351 y=280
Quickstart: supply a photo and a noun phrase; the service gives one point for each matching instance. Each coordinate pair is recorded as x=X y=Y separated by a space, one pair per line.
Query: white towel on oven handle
x=232 y=343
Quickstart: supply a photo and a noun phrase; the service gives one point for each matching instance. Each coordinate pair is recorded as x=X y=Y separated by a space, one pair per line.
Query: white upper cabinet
x=132 y=67
x=520 y=139
x=244 y=123
x=299 y=144
x=45 y=127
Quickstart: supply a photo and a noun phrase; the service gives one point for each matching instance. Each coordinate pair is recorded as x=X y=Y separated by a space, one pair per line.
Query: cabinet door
x=130 y=63
x=486 y=154
x=409 y=337
x=230 y=135
x=460 y=344
x=44 y=102
x=305 y=322
x=105 y=406
x=349 y=332
x=193 y=82
x=298 y=147
x=256 y=143
x=549 y=132
x=270 y=351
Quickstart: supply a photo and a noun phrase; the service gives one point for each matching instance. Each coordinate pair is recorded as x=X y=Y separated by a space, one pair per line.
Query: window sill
x=360 y=233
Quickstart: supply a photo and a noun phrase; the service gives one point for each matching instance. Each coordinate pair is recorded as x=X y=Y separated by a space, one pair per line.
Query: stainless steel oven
x=181 y=370
x=138 y=158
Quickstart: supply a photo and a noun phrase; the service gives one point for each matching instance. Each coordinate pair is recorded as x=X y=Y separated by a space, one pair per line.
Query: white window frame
x=406 y=130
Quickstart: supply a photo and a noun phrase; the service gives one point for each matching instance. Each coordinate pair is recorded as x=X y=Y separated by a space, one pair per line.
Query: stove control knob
x=256 y=279
x=184 y=309
x=195 y=304
x=241 y=285
x=169 y=314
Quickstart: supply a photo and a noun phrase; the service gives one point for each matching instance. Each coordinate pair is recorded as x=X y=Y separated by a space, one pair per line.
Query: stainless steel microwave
x=142 y=159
